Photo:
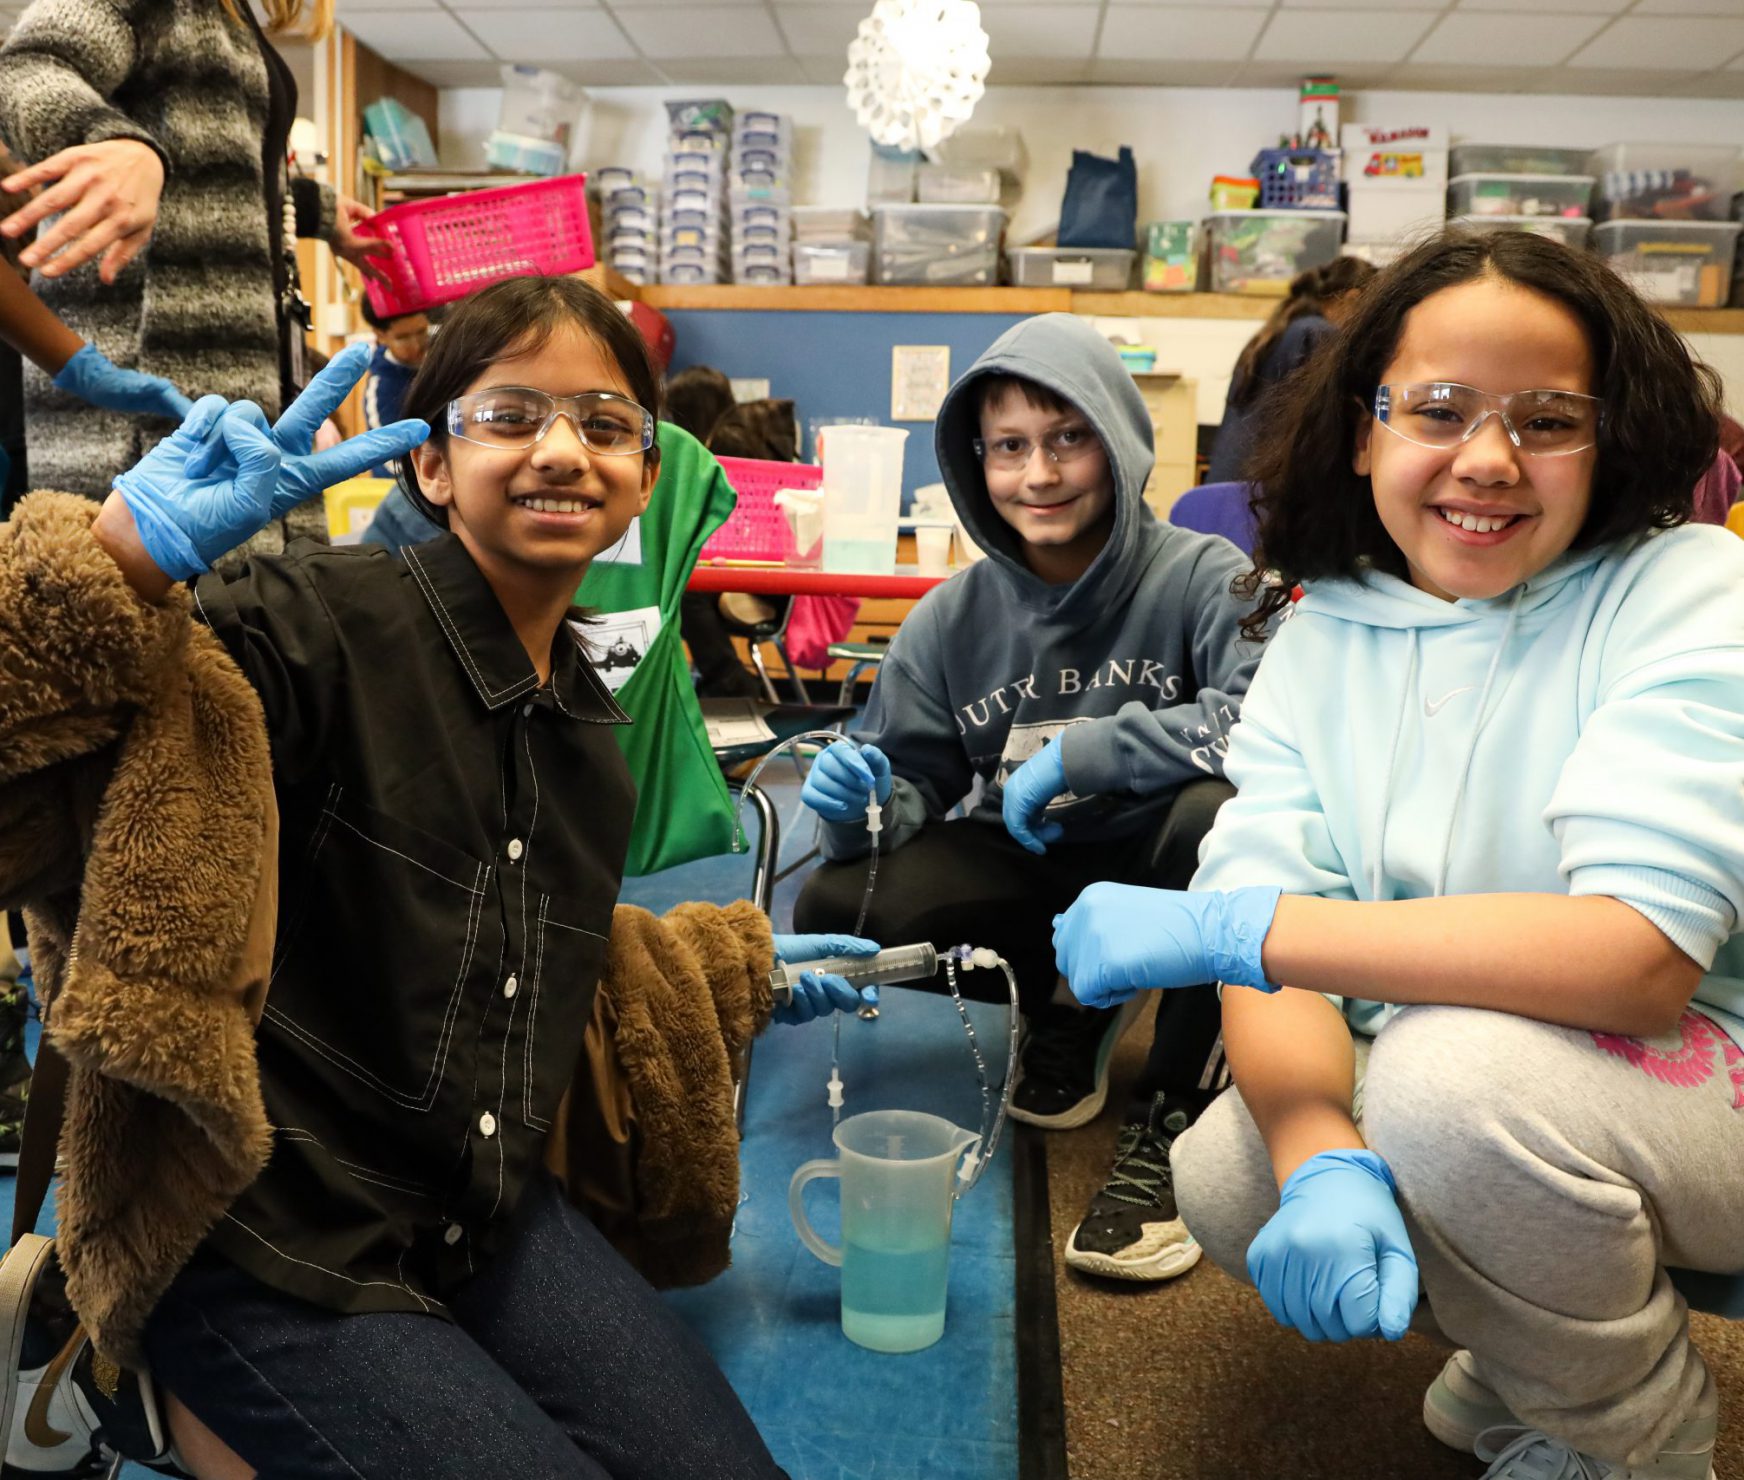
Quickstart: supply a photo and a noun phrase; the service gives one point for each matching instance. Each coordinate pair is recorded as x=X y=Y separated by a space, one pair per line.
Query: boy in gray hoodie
x=1075 y=689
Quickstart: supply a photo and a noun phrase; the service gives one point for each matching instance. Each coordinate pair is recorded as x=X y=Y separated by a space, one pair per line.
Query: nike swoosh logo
x=37 y=1428
x=1433 y=707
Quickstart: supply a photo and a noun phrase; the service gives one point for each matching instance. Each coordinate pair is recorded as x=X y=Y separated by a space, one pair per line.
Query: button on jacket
x=452 y=842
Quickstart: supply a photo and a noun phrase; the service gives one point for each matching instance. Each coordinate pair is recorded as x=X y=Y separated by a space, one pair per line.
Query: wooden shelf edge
x=851 y=298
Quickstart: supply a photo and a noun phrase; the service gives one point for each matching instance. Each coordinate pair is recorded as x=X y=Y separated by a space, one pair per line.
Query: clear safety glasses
x=1443 y=413
x=518 y=416
x=1012 y=454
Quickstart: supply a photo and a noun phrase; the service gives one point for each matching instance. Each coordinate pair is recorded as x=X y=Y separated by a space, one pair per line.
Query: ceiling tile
x=547 y=36
x=1364 y=5
x=1038 y=31
x=1669 y=42
x=1322 y=38
x=1530 y=41
x=1138 y=33
x=701 y=32
x=1124 y=72
x=823 y=71
x=342 y=10
x=1055 y=71
x=1430 y=77
x=817 y=30
x=767 y=69
x=1689 y=7
x=1559 y=7
x=414 y=36
x=1612 y=82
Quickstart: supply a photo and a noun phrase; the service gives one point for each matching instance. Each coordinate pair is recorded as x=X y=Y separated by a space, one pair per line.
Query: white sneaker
x=1460 y=1405
x=1516 y=1453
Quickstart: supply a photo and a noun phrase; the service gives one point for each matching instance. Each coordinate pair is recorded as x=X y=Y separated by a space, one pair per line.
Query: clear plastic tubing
x=897 y=964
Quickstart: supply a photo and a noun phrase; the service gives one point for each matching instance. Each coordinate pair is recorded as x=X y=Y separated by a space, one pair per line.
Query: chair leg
x=768 y=848
x=763 y=672
x=793 y=673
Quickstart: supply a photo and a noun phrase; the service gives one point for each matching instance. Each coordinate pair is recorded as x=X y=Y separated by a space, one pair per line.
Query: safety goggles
x=1443 y=413
x=518 y=416
x=1012 y=454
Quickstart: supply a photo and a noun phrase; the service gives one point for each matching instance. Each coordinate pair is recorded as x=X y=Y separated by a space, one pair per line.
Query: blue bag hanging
x=1100 y=208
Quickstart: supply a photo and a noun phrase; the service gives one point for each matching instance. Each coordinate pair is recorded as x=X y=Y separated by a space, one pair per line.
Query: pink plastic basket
x=445 y=248
x=756 y=529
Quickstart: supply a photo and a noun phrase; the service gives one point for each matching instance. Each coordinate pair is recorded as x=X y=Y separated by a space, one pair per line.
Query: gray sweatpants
x=1548 y=1176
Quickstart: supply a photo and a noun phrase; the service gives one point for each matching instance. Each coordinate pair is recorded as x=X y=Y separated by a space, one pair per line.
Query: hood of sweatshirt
x=1065 y=354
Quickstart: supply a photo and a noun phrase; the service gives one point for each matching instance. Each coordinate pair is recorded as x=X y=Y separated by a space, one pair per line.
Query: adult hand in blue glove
x=1118 y=939
x=842 y=778
x=91 y=376
x=1335 y=1261
x=186 y=522
x=1027 y=793
x=818 y=993
x=307 y=472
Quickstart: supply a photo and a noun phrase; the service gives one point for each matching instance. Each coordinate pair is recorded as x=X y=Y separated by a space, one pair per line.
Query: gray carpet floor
x=1191 y=1380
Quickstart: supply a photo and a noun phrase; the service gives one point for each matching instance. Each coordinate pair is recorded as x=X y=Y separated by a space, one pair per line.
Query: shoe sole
x=18 y=1274
x=1088 y=1108
x=1166 y=1264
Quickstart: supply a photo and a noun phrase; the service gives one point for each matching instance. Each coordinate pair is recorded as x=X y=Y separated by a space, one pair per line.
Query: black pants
x=971 y=882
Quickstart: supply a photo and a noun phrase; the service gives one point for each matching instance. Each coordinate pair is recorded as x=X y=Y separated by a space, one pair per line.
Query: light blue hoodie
x=1583 y=733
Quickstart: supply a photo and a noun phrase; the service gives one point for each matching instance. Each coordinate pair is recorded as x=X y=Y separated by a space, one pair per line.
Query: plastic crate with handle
x=756 y=529
x=1296 y=179
x=445 y=248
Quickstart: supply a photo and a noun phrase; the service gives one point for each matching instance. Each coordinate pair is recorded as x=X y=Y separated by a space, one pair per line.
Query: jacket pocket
x=566 y=955
x=415 y=919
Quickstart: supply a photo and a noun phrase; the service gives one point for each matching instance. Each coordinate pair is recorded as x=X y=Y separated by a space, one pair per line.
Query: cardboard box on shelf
x=1401 y=156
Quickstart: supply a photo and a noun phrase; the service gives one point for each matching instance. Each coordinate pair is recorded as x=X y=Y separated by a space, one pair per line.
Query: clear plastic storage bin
x=538 y=104
x=1518 y=159
x=1571 y=231
x=1099 y=269
x=829 y=223
x=1686 y=263
x=945 y=185
x=1664 y=182
x=890 y=176
x=834 y=262
x=1260 y=251
x=956 y=245
x=1519 y=195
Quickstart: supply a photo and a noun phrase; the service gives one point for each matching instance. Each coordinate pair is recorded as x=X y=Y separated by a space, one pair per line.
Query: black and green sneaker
x=1133 y=1231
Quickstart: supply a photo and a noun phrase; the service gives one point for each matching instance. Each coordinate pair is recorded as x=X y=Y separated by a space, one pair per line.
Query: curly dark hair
x=1316 y=516
x=512 y=318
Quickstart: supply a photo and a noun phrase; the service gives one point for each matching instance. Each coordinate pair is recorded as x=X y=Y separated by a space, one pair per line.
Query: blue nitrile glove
x=1335 y=1261
x=307 y=472
x=840 y=780
x=92 y=376
x=1118 y=939
x=1032 y=786
x=184 y=522
x=817 y=994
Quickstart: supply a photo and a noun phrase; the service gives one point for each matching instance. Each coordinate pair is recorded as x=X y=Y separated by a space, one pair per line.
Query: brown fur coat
x=138 y=831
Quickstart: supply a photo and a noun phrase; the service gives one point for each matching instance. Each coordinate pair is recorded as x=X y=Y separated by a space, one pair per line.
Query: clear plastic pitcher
x=898 y=1171
x=862 y=498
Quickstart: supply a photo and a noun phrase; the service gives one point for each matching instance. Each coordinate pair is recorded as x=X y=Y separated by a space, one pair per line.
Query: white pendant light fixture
x=916 y=70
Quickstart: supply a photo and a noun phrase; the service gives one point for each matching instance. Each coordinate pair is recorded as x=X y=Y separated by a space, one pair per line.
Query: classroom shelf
x=854 y=299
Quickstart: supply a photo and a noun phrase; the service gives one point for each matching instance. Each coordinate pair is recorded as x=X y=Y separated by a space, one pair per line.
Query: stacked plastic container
x=1664 y=213
x=1522 y=187
x=693 y=212
x=951 y=234
x=533 y=127
x=1395 y=181
x=629 y=223
x=761 y=197
x=830 y=245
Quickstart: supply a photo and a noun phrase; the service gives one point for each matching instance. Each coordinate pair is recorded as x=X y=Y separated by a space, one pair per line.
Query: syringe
x=897 y=964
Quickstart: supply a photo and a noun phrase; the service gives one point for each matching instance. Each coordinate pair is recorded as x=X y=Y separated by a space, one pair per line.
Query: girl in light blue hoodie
x=1490 y=821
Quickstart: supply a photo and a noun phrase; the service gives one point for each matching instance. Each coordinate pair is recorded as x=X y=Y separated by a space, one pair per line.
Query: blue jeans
x=561 y=1361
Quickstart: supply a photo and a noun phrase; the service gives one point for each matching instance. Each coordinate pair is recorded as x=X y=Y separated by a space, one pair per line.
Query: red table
x=781 y=580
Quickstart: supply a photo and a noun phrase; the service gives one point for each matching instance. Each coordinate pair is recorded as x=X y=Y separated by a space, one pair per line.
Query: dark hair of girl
x=1311 y=294
x=507 y=320
x=1658 y=430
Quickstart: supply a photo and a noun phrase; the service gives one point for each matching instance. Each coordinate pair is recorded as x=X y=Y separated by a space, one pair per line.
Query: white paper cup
x=933 y=542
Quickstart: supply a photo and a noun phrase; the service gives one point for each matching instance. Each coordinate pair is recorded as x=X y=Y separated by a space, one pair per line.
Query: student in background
x=401 y=342
x=1316 y=303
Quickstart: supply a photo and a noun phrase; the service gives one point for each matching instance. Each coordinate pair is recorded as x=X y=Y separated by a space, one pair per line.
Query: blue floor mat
x=831 y=1410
